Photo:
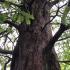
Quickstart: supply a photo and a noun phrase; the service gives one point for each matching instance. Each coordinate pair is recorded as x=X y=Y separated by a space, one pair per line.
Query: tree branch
x=56 y=37
x=5 y=51
x=64 y=38
x=51 y=19
x=5 y=66
x=12 y=24
x=53 y=16
x=67 y=61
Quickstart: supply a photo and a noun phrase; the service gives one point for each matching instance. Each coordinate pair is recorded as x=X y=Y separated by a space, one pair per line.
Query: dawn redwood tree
x=34 y=49
x=28 y=53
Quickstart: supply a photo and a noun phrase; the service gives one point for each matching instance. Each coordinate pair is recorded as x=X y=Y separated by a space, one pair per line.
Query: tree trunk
x=28 y=53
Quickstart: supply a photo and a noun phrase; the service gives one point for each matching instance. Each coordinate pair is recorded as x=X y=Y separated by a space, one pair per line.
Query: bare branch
x=66 y=62
x=64 y=38
x=5 y=51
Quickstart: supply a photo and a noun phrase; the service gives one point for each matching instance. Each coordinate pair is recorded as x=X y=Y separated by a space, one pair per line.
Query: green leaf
x=1 y=29
x=9 y=30
x=28 y=15
x=63 y=18
x=6 y=4
x=28 y=21
x=15 y=17
x=20 y=18
x=3 y=17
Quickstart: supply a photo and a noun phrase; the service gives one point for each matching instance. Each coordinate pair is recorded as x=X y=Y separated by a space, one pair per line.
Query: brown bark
x=28 y=53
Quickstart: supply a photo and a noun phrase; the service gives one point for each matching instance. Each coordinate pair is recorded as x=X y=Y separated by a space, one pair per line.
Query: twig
x=5 y=51
x=1 y=33
x=66 y=62
x=50 y=20
x=64 y=38
x=6 y=63
x=53 y=17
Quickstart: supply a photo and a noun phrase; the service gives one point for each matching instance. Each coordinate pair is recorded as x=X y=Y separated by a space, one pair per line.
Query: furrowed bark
x=28 y=53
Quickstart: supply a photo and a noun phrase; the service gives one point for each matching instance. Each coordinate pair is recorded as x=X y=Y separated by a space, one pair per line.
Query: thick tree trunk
x=28 y=53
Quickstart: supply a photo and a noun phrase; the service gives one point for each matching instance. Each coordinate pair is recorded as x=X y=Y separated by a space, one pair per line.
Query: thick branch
x=56 y=37
x=5 y=51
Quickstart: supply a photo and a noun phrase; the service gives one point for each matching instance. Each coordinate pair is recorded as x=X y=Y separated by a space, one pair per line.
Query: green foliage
x=1 y=29
x=66 y=11
x=22 y=16
x=3 y=17
x=15 y=13
x=27 y=17
x=6 y=4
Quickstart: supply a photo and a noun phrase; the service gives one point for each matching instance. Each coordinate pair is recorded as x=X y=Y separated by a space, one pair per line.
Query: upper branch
x=58 y=33
x=51 y=19
x=53 y=16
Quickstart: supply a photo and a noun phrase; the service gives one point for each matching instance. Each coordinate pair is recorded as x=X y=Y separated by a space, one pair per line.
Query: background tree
x=31 y=20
